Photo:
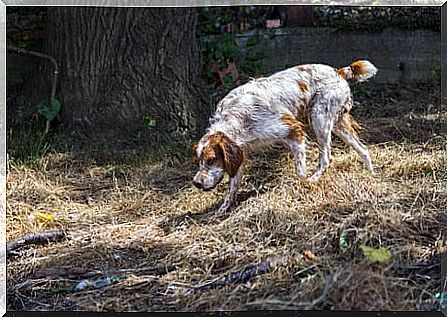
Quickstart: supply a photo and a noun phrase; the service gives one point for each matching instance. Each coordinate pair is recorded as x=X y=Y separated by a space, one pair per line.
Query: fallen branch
x=243 y=275
x=35 y=238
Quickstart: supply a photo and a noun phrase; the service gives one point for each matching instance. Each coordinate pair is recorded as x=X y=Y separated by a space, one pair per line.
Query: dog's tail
x=361 y=70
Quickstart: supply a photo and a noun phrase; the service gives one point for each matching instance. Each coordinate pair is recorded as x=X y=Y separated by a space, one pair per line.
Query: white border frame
x=143 y=3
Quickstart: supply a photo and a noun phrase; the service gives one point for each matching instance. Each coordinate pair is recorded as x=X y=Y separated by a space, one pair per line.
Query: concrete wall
x=400 y=55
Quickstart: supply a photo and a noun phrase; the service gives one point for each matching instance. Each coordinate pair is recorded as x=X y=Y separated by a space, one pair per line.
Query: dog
x=278 y=108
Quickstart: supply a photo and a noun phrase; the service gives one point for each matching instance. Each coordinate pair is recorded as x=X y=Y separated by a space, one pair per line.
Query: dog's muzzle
x=205 y=181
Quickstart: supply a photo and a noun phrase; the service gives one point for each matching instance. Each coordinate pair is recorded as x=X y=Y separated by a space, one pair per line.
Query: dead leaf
x=309 y=255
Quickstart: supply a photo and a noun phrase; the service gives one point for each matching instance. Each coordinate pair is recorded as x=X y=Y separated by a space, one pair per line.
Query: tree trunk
x=124 y=70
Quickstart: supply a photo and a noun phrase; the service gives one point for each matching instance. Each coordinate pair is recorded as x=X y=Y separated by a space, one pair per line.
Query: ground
x=126 y=218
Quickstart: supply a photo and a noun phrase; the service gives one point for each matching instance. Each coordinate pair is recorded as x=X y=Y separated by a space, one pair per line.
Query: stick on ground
x=243 y=275
x=35 y=238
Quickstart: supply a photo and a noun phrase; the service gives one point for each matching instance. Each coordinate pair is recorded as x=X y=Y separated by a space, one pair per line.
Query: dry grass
x=142 y=215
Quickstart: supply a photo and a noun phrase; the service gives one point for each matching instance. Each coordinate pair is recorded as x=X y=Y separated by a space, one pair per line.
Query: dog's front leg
x=230 y=199
x=299 y=155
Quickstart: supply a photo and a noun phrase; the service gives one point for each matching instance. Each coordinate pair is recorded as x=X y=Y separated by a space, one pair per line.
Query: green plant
x=28 y=146
x=49 y=109
x=436 y=69
x=252 y=62
x=29 y=137
x=149 y=121
x=24 y=30
x=220 y=52
x=24 y=26
x=224 y=50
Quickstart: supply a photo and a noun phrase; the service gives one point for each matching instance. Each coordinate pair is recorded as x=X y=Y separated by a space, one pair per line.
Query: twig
x=236 y=277
x=306 y=269
x=35 y=238
x=243 y=275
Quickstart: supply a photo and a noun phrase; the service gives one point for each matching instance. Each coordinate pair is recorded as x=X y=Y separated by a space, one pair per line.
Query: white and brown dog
x=277 y=108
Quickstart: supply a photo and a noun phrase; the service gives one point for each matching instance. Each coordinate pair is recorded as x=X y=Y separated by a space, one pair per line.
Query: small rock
x=82 y=285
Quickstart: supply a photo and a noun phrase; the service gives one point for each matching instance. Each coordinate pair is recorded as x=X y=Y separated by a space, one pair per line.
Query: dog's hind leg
x=346 y=128
x=296 y=138
x=323 y=123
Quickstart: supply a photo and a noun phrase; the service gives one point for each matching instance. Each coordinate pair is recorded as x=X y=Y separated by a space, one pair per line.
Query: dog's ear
x=232 y=156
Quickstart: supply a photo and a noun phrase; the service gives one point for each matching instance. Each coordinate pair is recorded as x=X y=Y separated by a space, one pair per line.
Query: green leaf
x=380 y=255
x=22 y=44
x=149 y=121
x=49 y=109
x=343 y=241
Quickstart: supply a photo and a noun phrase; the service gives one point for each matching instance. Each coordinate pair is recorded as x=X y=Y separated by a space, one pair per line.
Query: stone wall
x=400 y=55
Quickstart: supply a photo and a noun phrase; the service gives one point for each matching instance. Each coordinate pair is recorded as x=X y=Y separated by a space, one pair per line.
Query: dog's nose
x=197 y=184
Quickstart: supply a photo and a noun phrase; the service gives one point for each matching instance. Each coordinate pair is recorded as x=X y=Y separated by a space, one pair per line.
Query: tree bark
x=123 y=67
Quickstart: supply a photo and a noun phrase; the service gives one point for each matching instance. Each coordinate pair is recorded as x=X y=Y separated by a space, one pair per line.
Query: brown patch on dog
x=354 y=126
x=222 y=151
x=296 y=128
x=341 y=72
x=195 y=159
x=303 y=86
x=211 y=154
x=349 y=123
x=358 y=68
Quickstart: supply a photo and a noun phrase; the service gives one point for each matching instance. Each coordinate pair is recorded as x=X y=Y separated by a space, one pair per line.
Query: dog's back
x=254 y=112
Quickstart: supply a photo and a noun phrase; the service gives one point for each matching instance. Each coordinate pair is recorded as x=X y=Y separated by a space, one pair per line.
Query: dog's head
x=215 y=154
